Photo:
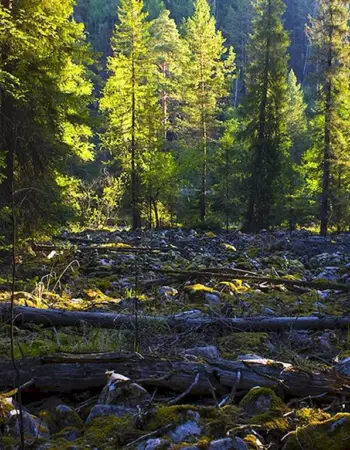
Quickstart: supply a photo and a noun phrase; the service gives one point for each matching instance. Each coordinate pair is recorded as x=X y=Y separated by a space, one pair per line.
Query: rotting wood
x=56 y=317
x=66 y=373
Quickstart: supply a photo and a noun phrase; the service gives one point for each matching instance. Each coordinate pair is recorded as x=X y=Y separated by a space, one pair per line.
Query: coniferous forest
x=174 y=224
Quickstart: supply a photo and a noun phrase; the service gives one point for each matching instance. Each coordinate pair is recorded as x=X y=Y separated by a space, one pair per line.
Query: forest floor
x=198 y=376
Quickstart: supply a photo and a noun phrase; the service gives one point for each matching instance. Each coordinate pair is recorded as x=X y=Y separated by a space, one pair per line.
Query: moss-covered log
x=71 y=372
x=233 y=274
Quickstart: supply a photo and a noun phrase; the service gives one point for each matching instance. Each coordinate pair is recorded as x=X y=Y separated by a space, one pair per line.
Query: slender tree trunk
x=204 y=174
x=327 y=141
x=227 y=188
x=203 y=201
x=164 y=101
x=235 y=103
x=136 y=219
x=150 y=209
x=155 y=208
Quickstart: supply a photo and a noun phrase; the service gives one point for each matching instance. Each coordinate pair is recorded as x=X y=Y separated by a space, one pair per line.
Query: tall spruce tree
x=130 y=99
x=264 y=112
x=208 y=76
x=330 y=36
x=44 y=94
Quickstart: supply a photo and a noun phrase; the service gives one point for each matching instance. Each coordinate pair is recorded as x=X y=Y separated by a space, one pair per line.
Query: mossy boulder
x=331 y=434
x=111 y=432
x=264 y=407
x=67 y=417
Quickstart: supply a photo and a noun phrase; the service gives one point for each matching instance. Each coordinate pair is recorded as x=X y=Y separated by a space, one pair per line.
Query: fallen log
x=100 y=247
x=322 y=286
x=56 y=317
x=71 y=372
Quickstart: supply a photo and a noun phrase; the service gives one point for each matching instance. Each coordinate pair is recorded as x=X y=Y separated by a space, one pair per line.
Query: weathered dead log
x=320 y=285
x=98 y=247
x=70 y=372
x=56 y=317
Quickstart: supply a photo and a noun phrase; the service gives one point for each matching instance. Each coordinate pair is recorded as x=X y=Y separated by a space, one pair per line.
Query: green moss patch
x=332 y=434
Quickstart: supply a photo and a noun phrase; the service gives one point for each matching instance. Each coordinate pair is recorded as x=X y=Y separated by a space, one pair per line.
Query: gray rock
x=239 y=444
x=328 y=259
x=329 y=275
x=192 y=447
x=34 y=428
x=207 y=352
x=108 y=410
x=228 y=444
x=212 y=299
x=338 y=423
x=67 y=417
x=319 y=305
x=153 y=444
x=118 y=392
x=71 y=434
x=343 y=367
x=184 y=431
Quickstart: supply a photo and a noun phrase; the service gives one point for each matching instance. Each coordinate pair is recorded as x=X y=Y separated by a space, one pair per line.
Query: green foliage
x=174 y=137
x=45 y=92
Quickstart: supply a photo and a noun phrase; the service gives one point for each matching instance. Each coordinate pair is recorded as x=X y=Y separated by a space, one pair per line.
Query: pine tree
x=264 y=112
x=130 y=99
x=330 y=36
x=208 y=74
x=169 y=53
x=44 y=94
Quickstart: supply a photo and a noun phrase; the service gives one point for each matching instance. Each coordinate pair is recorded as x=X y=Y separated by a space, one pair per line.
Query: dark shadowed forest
x=174 y=224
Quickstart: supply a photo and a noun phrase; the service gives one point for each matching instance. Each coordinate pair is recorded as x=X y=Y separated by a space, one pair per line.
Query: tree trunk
x=235 y=103
x=136 y=216
x=155 y=208
x=65 y=373
x=55 y=317
x=164 y=101
x=204 y=175
x=327 y=137
x=326 y=162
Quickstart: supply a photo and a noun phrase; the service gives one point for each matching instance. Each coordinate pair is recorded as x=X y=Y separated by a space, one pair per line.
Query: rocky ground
x=190 y=274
